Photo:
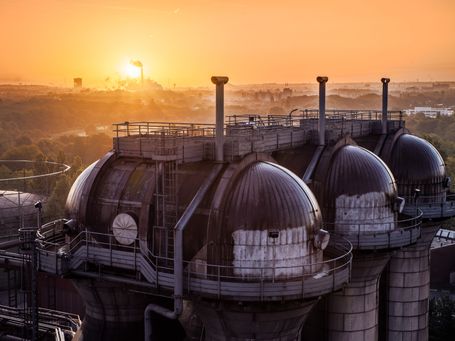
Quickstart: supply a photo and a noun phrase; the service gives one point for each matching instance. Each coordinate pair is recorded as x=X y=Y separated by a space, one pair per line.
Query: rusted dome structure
x=420 y=173
x=416 y=163
x=268 y=229
x=267 y=224
x=359 y=199
x=357 y=192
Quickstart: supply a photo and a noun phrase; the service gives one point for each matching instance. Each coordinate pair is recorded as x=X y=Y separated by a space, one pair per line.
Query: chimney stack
x=219 y=81
x=385 y=95
x=321 y=123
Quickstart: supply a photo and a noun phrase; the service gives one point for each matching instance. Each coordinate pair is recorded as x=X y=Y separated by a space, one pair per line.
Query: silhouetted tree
x=442 y=319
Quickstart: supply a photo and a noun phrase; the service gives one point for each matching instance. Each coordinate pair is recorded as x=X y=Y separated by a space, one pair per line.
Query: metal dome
x=358 y=192
x=416 y=163
x=77 y=189
x=268 y=221
x=355 y=171
x=17 y=206
x=268 y=196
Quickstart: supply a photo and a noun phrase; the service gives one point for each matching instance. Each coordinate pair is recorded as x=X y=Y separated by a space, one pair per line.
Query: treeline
x=76 y=151
x=440 y=131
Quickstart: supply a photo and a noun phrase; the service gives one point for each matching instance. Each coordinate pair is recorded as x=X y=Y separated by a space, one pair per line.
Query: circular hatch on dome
x=124 y=228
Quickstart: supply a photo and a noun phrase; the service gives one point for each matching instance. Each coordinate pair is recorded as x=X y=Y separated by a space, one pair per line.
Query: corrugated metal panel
x=416 y=163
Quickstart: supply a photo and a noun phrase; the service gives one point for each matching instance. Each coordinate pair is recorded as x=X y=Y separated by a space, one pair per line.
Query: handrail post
x=219 y=281
x=110 y=249
x=86 y=250
x=262 y=283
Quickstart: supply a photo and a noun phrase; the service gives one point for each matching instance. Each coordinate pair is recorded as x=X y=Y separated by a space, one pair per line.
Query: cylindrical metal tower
x=421 y=179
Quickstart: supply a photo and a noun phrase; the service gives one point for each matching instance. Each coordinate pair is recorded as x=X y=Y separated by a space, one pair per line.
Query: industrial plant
x=314 y=225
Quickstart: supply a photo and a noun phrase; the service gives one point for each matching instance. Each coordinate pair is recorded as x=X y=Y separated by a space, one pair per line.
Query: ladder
x=170 y=204
x=166 y=201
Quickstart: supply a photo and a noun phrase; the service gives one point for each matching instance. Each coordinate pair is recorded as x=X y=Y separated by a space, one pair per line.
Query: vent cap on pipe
x=219 y=79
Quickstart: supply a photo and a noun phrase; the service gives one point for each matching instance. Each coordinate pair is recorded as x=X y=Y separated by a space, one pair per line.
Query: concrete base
x=352 y=313
x=232 y=321
x=408 y=290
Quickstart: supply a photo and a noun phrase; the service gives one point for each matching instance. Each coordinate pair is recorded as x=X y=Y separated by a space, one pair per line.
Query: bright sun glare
x=132 y=71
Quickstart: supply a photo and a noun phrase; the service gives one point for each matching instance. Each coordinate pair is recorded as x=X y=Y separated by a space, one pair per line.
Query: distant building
x=287 y=92
x=77 y=83
x=430 y=112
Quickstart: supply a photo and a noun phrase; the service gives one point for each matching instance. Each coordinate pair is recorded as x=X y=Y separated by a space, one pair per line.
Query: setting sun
x=132 y=71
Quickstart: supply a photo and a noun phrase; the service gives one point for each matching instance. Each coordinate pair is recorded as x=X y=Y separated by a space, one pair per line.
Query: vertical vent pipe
x=219 y=81
x=321 y=123
x=385 y=99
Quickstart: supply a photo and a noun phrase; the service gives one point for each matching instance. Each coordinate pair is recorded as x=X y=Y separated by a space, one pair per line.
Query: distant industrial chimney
x=219 y=140
x=77 y=83
x=385 y=95
x=321 y=124
x=138 y=63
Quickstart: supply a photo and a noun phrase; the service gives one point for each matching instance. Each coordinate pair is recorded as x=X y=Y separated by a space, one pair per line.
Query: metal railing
x=294 y=118
x=432 y=206
x=439 y=198
x=370 y=234
x=251 y=121
x=164 y=129
x=209 y=279
x=50 y=321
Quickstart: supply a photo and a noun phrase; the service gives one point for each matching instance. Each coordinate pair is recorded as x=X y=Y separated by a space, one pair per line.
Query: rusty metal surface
x=296 y=159
x=127 y=185
x=77 y=201
x=75 y=194
x=352 y=171
x=264 y=198
x=416 y=163
x=268 y=196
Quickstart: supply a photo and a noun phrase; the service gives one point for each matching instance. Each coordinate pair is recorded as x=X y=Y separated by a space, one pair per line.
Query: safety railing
x=378 y=233
x=163 y=129
x=49 y=320
x=295 y=116
x=432 y=206
x=328 y=274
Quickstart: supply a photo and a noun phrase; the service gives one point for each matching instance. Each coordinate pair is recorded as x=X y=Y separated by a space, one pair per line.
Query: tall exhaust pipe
x=385 y=99
x=321 y=123
x=219 y=81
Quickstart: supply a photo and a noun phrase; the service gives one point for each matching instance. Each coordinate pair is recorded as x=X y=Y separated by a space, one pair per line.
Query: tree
x=442 y=319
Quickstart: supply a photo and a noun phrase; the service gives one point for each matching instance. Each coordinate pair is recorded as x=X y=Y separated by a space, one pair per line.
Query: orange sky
x=185 y=42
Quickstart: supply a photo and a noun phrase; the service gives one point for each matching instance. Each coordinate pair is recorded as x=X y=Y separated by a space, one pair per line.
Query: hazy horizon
x=255 y=42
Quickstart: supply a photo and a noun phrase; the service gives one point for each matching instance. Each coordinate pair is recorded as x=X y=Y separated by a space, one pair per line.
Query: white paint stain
x=290 y=254
x=370 y=212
